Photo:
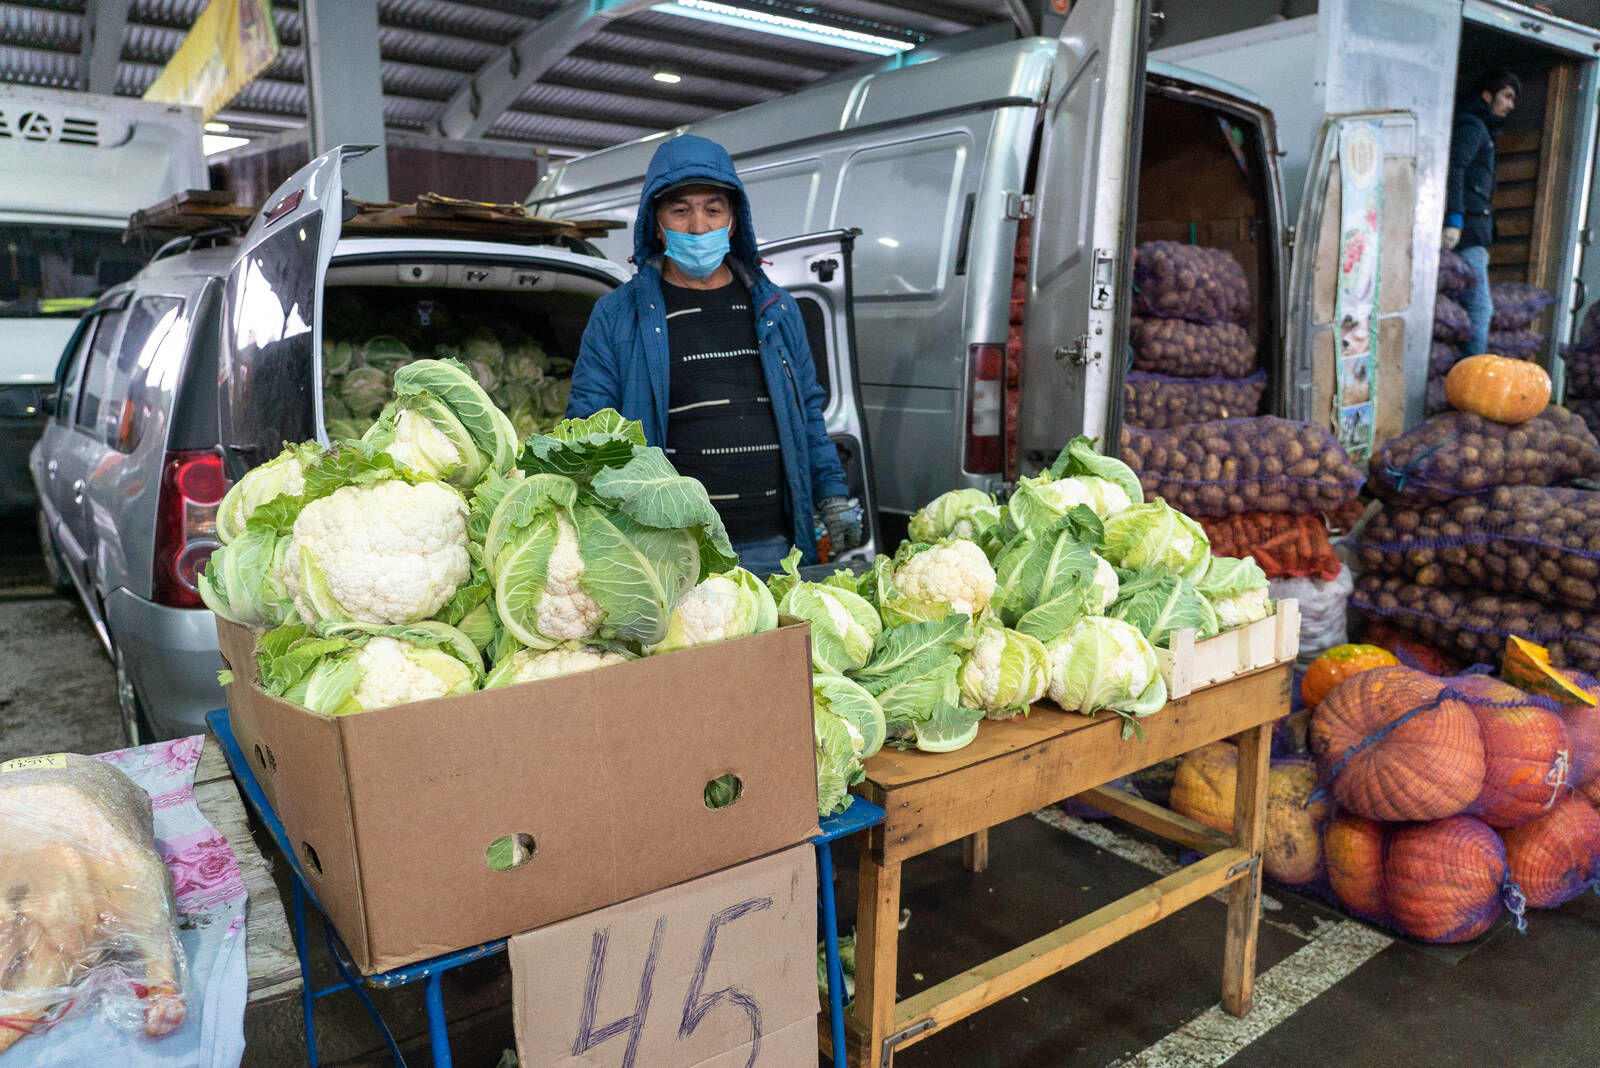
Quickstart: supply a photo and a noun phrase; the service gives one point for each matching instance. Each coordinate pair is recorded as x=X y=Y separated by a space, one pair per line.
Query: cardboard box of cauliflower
x=599 y=775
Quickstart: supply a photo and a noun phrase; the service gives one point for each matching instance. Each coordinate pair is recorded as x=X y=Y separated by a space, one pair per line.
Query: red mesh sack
x=1412 y=651
x=1285 y=544
x=1446 y=879
x=1352 y=848
x=1525 y=748
x=1557 y=856
x=1191 y=350
x=1158 y=401
x=1396 y=744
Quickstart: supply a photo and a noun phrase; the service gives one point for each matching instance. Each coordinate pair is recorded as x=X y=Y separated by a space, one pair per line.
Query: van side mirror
x=47 y=400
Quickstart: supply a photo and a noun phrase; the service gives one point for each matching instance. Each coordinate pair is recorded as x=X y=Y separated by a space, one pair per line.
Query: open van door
x=815 y=269
x=272 y=316
x=1075 y=322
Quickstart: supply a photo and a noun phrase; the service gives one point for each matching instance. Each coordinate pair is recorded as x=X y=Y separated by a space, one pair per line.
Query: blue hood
x=683 y=157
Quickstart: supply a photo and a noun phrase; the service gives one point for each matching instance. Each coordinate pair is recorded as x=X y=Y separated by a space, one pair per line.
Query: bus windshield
x=49 y=270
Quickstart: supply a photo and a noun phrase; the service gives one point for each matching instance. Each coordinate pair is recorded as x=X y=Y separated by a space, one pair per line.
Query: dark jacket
x=1469 y=187
x=623 y=361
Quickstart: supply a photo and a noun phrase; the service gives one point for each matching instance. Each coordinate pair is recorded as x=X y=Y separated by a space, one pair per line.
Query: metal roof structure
x=549 y=73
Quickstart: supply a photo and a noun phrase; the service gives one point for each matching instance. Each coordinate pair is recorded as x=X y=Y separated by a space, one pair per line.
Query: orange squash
x=1353 y=849
x=1526 y=753
x=1527 y=667
x=1204 y=790
x=1557 y=856
x=1444 y=879
x=1338 y=664
x=1498 y=388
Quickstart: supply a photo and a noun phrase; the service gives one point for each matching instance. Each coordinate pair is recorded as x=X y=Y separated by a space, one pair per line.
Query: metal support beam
x=104 y=24
x=344 y=83
x=476 y=106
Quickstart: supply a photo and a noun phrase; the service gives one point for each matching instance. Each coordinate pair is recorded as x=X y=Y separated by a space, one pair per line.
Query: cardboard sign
x=718 y=971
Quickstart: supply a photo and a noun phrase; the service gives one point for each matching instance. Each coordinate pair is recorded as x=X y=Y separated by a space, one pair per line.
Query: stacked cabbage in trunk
x=438 y=554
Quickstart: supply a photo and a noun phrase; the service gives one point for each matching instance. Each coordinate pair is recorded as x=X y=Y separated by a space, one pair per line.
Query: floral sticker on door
x=1356 y=315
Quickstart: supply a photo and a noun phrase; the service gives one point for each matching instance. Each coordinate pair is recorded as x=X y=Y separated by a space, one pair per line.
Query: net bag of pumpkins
x=1538 y=541
x=1517 y=304
x=1462 y=453
x=1475 y=625
x=1173 y=280
x=1184 y=349
x=1448 y=880
x=1527 y=754
x=1160 y=401
x=1352 y=850
x=1556 y=857
x=1260 y=464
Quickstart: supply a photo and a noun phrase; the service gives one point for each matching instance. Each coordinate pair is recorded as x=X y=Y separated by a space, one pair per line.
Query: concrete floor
x=1331 y=992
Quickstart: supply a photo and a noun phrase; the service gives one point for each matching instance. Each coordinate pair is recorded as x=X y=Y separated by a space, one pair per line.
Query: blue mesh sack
x=1450 y=321
x=1184 y=349
x=1583 y=369
x=1178 y=281
x=1517 y=304
x=1474 y=625
x=1455 y=277
x=1460 y=453
x=1587 y=409
x=1517 y=344
x=1260 y=464
x=1540 y=541
x=1441 y=357
x=1160 y=401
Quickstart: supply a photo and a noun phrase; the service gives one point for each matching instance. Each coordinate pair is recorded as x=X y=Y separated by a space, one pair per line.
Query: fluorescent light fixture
x=888 y=242
x=214 y=143
x=668 y=77
x=746 y=18
x=216 y=127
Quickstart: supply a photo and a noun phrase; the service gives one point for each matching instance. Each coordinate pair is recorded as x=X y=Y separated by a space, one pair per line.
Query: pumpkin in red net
x=1557 y=856
x=1526 y=752
x=1352 y=848
x=1394 y=744
x=1386 y=635
x=1583 y=731
x=1445 y=878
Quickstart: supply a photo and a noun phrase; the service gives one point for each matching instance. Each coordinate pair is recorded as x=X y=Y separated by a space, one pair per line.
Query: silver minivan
x=178 y=382
x=999 y=192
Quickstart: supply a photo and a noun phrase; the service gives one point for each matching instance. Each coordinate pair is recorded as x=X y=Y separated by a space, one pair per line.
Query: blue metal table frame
x=858 y=817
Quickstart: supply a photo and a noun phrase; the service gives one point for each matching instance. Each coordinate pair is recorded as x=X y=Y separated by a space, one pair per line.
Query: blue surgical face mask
x=697 y=255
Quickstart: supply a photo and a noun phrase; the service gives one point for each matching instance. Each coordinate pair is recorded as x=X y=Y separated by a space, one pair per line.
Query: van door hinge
x=824 y=269
x=1075 y=352
x=1019 y=205
x=1103 y=284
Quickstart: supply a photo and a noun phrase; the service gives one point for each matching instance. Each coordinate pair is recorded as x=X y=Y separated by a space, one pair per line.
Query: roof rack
x=211 y=211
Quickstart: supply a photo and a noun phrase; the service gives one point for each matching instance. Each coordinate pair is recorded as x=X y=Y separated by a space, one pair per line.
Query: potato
x=1462 y=453
x=1179 y=281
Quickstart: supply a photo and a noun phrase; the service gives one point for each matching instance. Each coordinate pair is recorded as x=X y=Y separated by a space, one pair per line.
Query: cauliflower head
x=382 y=552
x=283 y=475
x=1005 y=672
x=1247 y=607
x=1105 y=663
x=955 y=572
x=422 y=446
x=722 y=607
x=565 y=611
x=568 y=658
x=394 y=672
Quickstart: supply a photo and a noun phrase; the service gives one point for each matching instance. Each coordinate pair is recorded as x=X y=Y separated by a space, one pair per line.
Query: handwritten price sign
x=720 y=970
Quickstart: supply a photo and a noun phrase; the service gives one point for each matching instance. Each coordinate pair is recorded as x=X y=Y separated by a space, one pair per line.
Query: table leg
x=438 y=1029
x=308 y=999
x=1244 y=895
x=975 y=851
x=877 y=951
x=830 y=942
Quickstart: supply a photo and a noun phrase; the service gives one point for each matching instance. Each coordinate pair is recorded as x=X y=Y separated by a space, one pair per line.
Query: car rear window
x=146 y=369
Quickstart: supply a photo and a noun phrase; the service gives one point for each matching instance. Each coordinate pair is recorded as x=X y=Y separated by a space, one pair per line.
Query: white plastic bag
x=1322 y=610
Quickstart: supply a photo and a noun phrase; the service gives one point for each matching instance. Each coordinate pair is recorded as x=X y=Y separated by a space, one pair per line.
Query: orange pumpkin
x=1498 y=388
x=1338 y=664
x=1527 y=667
x=1396 y=746
x=1204 y=790
x=1353 y=849
x=1444 y=879
x=1557 y=856
x=1583 y=735
x=1526 y=753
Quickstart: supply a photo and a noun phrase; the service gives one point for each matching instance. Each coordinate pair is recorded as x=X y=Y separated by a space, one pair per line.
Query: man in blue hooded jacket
x=1469 y=191
x=712 y=358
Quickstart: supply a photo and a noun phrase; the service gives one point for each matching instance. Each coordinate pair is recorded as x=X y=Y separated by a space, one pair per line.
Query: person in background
x=712 y=358
x=1469 y=191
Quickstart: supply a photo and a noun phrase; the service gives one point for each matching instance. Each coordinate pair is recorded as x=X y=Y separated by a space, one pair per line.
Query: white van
x=73 y=167
x=997 y=191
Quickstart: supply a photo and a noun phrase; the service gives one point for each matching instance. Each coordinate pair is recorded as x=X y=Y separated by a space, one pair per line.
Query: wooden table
x=273 y=968
x=1024 y=764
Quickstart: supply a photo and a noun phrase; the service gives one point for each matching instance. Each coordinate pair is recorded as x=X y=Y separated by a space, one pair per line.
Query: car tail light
x=192 y=485
x=985 y=452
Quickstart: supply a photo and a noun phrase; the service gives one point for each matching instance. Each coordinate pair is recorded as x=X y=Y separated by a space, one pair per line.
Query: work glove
x=842 y=518
x=1452 y=236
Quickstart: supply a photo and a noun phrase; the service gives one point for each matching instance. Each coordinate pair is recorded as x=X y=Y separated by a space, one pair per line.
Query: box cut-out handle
x=510 y=851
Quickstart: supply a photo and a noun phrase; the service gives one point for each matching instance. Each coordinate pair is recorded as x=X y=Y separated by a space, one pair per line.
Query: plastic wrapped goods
x=1159 y=401
x=1461 y=453
x=1517 y=305
x=1534 y=541
x=1178 y=281
x=1191 y=350
x=1261 y=464
x=86 y=905
x=1322 y=610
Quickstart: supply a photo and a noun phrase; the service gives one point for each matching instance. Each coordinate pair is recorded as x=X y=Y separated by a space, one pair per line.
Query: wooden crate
x=1188 y=665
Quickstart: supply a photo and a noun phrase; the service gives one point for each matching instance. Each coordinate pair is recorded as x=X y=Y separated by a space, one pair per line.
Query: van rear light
x=192 y=485
x=985 y=451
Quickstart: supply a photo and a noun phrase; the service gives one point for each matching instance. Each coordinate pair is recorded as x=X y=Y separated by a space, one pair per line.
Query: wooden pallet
x=193 y=211
x=1188 y=665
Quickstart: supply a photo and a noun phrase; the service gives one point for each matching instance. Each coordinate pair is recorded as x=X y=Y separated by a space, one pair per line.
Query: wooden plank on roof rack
x=191 y=212
x=437 y=215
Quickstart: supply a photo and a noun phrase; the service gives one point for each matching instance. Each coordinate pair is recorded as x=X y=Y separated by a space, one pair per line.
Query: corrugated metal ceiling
x=602 y=91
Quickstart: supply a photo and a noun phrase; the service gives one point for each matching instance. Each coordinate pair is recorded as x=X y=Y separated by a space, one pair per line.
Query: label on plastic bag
x=34 y=763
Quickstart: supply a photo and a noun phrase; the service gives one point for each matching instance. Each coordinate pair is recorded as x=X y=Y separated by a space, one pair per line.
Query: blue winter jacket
x=623 y=361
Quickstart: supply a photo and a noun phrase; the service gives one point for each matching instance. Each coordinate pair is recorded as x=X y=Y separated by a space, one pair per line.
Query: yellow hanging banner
x=229 y=44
